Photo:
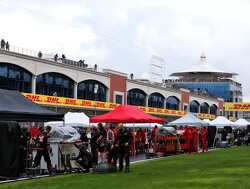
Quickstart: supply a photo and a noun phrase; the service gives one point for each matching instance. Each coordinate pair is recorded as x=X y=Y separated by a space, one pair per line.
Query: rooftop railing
x=172 y=81
x=51 y=57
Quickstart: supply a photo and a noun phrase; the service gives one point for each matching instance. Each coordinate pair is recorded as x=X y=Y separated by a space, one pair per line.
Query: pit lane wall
x=61 y=101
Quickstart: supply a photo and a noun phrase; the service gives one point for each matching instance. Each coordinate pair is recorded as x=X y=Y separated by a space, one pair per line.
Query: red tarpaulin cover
x=126 y=114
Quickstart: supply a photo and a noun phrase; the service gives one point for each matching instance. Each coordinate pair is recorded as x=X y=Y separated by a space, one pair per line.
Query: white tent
x=207 y=120
x=241 y=123
x=142 y=125
x=189 y=119
x=221 y=122
x=73 y=119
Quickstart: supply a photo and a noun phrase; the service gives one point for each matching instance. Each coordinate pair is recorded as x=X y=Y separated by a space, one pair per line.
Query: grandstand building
x=64 y=85
x=205 y=79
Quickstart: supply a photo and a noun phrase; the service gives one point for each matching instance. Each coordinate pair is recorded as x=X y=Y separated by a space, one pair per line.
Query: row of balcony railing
x=219 y=80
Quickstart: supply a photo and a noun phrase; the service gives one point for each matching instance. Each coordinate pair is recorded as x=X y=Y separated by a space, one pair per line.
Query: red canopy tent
x=126 y=114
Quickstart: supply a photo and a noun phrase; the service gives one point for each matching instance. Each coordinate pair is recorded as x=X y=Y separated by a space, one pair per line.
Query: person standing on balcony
x=2 y=44
x=40 y=54
x=56 y=57
x=7 y=46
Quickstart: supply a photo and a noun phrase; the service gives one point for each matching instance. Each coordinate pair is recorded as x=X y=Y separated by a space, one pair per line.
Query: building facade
x=89 y=89
x=203 y=78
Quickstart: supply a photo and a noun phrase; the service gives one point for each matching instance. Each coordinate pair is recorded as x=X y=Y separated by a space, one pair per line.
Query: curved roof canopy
x=221 y=122
x=126 y=114
x=241 y=122
x=203 y=68
x=188 y=119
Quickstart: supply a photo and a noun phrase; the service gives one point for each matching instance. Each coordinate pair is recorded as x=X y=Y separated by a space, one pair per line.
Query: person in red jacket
x=195 y=136
x=189 y=137
x=203 y=133
x=133 y=145
x=154 y=134
x=142 y=138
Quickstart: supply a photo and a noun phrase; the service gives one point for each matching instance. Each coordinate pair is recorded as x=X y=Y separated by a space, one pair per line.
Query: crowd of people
x=191 y=135
x=116 y=142
x=112 y=143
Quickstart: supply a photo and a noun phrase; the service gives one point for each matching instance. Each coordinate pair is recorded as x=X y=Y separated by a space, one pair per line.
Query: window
x=217 y=89
x=118 y=99
x=172 y=103
x=85 y=90
x=213 y=109
x=204 y=108
x=185 y=108
x=13 y=77
x=155 y=100
x=136 y=97
x=194 y=106
x=48 y=83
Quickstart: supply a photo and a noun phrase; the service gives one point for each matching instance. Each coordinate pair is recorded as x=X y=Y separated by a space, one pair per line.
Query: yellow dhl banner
x=62 y=101
x=208 y=116
x=233 y=106
x=52 y=100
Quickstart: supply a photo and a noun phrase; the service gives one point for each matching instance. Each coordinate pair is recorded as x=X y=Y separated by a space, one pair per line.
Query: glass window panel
x=55 y=82
x=15 y=78
x=172 y=103
x=86 y=91
x=136 y=97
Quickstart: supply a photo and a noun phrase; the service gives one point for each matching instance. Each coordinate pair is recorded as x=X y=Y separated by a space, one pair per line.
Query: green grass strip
x=224 y=168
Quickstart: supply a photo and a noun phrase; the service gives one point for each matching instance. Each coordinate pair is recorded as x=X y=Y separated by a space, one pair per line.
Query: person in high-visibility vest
x=203 y=133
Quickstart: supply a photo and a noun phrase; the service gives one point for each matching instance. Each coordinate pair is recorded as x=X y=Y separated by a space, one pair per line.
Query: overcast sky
x=123 y=35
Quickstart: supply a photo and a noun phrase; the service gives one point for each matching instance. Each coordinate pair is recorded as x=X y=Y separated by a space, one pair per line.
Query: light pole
x=95 y=91
x=55 y=94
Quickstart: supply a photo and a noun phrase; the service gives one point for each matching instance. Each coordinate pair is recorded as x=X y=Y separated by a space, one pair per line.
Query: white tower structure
x=156 y=69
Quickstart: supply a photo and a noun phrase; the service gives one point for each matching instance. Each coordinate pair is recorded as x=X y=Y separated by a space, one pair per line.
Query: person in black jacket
x=83 y=135
x=42 y=149
x=125 y=138
x=24 y=140
x=101 y=141
x=93 y=144
x=86 y=157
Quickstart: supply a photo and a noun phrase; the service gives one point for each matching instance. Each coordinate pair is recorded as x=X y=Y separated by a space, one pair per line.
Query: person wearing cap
x=195 y=137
